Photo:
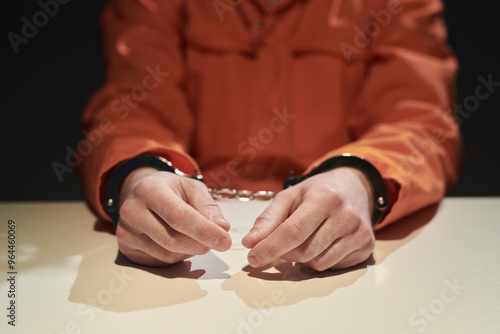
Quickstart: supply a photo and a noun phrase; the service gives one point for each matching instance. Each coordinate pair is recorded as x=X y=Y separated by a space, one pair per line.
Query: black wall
x=45 y=85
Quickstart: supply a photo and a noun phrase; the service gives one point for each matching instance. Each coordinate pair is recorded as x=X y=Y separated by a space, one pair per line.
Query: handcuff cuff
x=111 y=204
x=111 y=201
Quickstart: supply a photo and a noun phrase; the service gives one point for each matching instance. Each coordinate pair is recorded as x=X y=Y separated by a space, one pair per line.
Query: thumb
x=272 y=217
x=201 y=200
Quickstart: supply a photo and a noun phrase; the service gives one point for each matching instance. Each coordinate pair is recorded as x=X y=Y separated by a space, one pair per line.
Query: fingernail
x=254 y=261
x=221 y=221
x=252 y=232
x=222 y=244
x=218 y=218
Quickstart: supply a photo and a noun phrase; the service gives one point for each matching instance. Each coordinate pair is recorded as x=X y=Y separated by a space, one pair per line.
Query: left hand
x=323 y=222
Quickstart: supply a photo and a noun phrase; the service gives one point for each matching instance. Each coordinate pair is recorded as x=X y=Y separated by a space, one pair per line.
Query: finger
x=141 y=249
x=273 y=216
x=143 y=258
x=316 y=244
x=201 y=200
x=287 y=236
x=330 y=230
x=343 y=253
x=156 y=232
x=352 y=259
x=186 y=220
x=139 y=226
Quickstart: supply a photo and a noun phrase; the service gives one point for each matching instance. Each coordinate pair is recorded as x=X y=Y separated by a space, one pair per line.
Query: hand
x=323 y=222
x=166 y=218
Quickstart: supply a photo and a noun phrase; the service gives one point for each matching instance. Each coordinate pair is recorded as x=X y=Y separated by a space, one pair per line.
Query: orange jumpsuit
x=246 y=92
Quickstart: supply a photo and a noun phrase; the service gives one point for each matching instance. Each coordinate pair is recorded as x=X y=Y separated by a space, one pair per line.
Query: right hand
x=166 y=218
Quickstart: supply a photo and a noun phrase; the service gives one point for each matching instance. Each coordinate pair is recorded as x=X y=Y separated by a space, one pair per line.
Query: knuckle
x=169 y=242
x=121 y=234
x=127 y=209
x=369 y=245
x=356 y=258
x=201 y=251
x=264 y=216
x=352 y=212
x=173 y=215
x=302 y=254
x=124 y=247
x=330 y=193
x=142 y=187
x=124 y=237
x=364 y=232
x=128 y=250
x=200 y=186
x=354 y=222
x=270 y=252
x=352 y=217
x=294 y=233
x=209 y=208
x=171 y=258
x=318 y=265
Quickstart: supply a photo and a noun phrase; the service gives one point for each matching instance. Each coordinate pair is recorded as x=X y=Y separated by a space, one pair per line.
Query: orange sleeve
x=142 y=107
x=403 y=122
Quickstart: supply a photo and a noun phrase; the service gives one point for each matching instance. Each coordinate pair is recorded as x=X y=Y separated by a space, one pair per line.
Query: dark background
x=45 y=86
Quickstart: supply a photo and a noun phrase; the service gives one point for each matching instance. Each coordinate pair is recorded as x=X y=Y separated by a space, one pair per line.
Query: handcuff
x=111 y=201
x=116 y=178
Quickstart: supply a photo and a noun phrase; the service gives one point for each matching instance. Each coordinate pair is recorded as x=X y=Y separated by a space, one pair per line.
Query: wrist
x=358 y=182
x=131 y=180
x=378 y=191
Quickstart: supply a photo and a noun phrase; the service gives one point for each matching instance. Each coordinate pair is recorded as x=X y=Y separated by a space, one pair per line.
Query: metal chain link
x=241 y=195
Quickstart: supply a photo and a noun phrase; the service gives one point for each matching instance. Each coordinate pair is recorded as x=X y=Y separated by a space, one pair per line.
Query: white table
x=438 y=271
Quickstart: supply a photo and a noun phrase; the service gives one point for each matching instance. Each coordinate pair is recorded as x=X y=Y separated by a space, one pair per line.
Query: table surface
x=436 y=271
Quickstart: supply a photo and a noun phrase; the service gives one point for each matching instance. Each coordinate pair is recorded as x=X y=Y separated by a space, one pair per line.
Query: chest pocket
x=214 y=37
x=336 y=42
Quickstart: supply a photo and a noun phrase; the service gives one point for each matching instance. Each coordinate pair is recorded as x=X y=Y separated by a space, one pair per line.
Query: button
x=259 y=23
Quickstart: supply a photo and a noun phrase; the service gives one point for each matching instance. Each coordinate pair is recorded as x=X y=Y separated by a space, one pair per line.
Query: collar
x=280 y=5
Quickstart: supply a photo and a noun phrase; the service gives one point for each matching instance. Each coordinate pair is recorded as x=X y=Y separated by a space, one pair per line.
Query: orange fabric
x=246 y=92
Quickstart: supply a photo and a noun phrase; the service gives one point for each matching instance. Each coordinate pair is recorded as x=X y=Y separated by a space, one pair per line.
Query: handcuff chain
x=241 y=195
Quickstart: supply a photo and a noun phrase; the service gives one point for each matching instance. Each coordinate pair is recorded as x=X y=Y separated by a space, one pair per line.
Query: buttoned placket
x=273 y=62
